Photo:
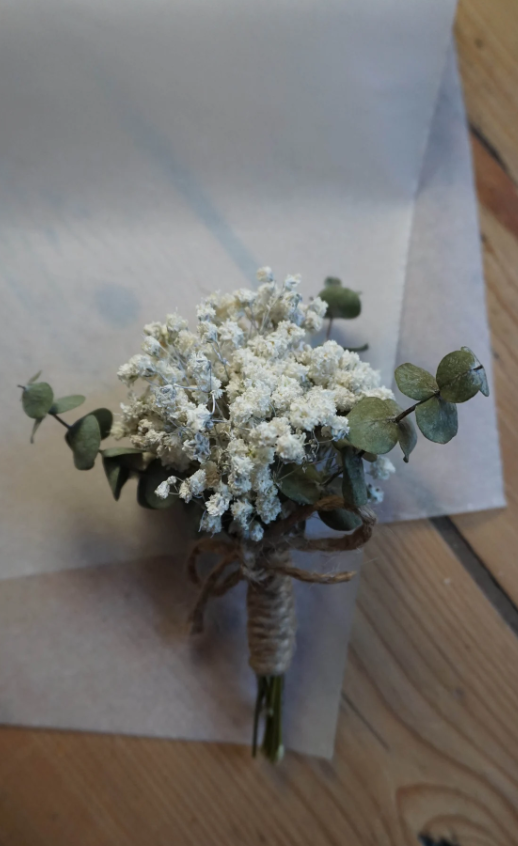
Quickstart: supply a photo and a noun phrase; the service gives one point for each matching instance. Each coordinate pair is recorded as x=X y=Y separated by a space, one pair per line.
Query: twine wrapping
x=267 y=570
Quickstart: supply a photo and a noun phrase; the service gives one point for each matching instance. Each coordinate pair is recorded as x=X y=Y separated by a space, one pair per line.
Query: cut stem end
x=268 y=705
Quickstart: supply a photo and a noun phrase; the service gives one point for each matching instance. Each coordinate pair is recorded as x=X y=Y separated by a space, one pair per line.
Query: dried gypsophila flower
x=228 y=405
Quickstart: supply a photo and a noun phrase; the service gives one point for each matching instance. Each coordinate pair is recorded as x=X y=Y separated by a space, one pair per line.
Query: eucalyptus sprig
x=376 y=426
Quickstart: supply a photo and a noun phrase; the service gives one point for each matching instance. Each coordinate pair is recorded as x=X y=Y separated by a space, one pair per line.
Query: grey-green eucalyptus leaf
x=372 y=427
x=84 y=439
x=63 y=404
x=407 y=435
x=415 y=382
x=437 y=420
x=460 y=376
x=116 y=473
x=300 y=483
x=340 y=520
x=37 y=398
x=35 y=377
x=105 y=420
x=354 y=488
x=115 y=452
x=37 y=424
x=341 y=302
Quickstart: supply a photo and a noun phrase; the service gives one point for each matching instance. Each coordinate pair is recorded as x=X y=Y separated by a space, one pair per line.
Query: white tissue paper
x=151 y=155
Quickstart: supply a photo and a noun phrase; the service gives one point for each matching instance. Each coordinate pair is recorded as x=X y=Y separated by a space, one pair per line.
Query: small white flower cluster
x=227 y=406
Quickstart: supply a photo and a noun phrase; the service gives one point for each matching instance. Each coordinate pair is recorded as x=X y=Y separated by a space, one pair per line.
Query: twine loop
x=267 y=569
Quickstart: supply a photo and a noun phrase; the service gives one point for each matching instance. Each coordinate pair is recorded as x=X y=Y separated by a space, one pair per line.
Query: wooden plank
x=494 y=535
x=427 y=741
x=487 y=38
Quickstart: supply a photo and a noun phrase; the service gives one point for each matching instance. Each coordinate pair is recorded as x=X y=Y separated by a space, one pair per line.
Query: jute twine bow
x=266 y=568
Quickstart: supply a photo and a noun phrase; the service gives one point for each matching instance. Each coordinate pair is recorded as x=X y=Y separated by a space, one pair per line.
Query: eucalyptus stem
x=60 y=420
x=269 y=705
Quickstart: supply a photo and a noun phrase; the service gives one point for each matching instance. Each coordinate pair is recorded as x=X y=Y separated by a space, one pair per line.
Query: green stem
x=269 y=705
x=60 y=420
x=412 y=408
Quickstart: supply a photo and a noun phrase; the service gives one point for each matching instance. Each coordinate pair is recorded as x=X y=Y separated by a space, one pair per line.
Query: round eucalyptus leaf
x=484 y=385
x=84 y=439
x=37 y=424
x=341 y=302
x=115 y=452
x=407 y=437
x=149 y=481
x=302 y=484
x=116 y=473
x=371 y=425
x=332 y=282
x=415 y=382
x=340 y=520
x=437 y=420
x=460 y=376
x=129 y=457
x=354 y=488
x=63 y=404
x=37 y=399
x=105 y=420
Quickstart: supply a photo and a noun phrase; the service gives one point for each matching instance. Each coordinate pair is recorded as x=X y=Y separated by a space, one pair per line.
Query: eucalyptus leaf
x=407 y=435
x=116 y=473
x=372 y=427
x=300 y=483
x=37 y=424
x=63 y=404
x=415 y=382
x=341 y=302
x=340 y=520
x=437 y=420
x=129 y=457
x=105 y=420
x=115 y=452
x=35 y=377
x=460 y=376
x=37 y=398
x=84 y=439
x=354 y=488
x=149 y=481
x=484 y=385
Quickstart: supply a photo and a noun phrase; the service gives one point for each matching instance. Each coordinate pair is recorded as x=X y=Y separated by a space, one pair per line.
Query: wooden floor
x=427 y=748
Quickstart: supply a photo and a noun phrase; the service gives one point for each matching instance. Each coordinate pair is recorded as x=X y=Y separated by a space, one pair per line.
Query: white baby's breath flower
x=256 y=532
x=265 y=274
x=230 y=404
x=381 y=469
x=375 y=494
x=152 y=347
x=193 y=486
x=164 y=488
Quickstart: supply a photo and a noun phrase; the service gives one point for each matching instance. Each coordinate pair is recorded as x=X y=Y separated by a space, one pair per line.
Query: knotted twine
x=266 y=568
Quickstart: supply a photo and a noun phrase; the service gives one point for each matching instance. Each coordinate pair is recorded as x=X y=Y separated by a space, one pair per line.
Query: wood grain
x=487 y=35
x=487 y=39
x=428 y=737
x=427 y=741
